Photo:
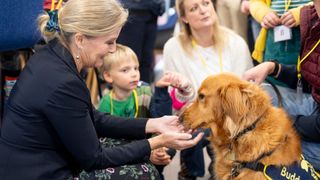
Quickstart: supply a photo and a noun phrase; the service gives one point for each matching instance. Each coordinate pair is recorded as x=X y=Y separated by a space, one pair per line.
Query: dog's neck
x=236 y=135
x=238 y=164
x=237 y=130
x=247 y=129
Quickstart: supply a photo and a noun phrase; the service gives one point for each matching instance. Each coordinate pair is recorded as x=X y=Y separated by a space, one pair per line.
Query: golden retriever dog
x=246 y=128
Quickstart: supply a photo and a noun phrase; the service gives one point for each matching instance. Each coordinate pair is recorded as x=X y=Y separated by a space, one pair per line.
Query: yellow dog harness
x=301 y=170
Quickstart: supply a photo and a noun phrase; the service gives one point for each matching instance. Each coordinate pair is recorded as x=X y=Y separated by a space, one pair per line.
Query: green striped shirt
x=126 y=108
x=279 y=5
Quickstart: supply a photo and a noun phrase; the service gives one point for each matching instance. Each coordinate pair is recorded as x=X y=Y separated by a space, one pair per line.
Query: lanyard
x=287 y=5
x=202 y=59
x=57 y=7
x=300 y=61
x=135 y=96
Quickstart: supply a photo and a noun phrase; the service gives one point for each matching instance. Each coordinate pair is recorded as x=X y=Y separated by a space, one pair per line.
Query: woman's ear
x=79 y=40
x=184 y=19
x=107 y=77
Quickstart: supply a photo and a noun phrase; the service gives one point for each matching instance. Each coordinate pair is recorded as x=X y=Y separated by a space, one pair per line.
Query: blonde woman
x=203 y=48
x=50 y=129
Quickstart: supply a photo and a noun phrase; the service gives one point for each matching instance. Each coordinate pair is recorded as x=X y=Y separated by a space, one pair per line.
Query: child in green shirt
x=129 y=97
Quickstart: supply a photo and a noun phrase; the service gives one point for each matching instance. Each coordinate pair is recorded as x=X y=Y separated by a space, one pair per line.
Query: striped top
x=279 y=5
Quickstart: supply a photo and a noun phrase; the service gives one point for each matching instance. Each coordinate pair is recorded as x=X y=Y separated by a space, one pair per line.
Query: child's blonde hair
x=122 y=54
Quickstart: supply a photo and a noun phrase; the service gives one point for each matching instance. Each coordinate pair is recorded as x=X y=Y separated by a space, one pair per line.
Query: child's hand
x=175 y=80
x=165 y=80
x=160 y=156
x=270 y=20
x=180 y=82
x=288 y=20
x=169 y=79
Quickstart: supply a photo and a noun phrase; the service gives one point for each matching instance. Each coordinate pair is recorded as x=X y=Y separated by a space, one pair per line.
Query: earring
x=78 y=55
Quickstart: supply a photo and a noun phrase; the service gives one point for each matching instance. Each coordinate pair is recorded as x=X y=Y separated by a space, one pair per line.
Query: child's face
x=124 y=75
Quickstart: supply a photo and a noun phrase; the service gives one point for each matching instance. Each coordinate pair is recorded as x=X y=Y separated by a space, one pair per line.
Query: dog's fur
x=228 y=105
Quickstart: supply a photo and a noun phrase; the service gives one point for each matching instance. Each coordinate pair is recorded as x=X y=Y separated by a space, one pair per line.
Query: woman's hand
x=174 y=140
x=160 y=156
x=164 y=124
x=270 y=20
x=288 y=20
x=171 y=132
x=259 y=73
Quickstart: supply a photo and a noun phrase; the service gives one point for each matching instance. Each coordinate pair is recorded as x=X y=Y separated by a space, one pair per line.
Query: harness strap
x=256 y=166
x=253 y=165
x=249 y=128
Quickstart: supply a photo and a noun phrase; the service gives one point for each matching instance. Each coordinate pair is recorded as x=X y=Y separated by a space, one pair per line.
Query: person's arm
x=287 y=74
x=107 y=125
x=68 y=113
x=284 y=73
x=308 y=127
x=161 y=103
x=258 y=9
x=296 y=12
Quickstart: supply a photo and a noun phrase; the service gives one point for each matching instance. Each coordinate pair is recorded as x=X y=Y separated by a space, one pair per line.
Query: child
x=279 y=40
x=121 y=70
x=130 y=97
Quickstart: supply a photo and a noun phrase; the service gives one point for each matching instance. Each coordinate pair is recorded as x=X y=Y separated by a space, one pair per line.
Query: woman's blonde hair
x=91 y=18
x=185 y=35
x=122 y=54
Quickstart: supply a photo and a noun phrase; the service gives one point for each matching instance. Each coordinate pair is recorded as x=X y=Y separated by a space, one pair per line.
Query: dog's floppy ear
x=235 y=100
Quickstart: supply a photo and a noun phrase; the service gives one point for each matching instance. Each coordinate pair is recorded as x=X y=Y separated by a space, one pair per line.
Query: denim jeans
x=290 y=101
x=310 y=150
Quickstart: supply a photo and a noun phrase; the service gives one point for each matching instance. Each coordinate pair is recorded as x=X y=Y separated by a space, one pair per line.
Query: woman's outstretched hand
x=171 y=132
x=164 y=124
x=174 y=140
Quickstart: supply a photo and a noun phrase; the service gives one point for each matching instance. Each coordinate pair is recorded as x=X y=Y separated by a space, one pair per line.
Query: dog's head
x=227 y=102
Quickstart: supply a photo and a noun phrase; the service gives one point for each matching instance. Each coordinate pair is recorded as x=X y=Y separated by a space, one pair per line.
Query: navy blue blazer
x=50 y=129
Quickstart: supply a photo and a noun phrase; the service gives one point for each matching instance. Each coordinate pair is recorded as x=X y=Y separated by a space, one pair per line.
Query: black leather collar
x=249 y=128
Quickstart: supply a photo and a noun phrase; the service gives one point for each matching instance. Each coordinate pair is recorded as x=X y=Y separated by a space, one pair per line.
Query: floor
x=171 y=171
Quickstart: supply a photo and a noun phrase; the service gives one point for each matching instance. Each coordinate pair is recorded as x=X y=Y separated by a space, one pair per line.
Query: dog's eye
x=201 y=96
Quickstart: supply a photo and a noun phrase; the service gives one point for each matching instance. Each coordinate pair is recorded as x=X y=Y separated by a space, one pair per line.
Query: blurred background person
x=230 y=16
x=139 y=33
x=279 y=40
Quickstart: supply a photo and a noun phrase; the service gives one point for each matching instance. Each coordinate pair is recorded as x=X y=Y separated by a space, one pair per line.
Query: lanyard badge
x=282 y=32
